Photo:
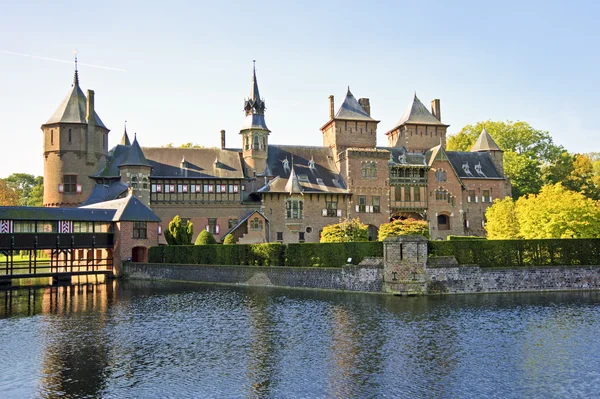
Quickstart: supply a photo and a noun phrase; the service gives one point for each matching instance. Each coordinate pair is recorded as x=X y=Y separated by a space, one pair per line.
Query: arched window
x=256 y=224
x=256 y=143
x=440 y=175
x=443 y=222
x=134 y=181
x=145 y=182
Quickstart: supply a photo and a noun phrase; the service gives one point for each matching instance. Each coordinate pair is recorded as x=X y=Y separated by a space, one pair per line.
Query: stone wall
x=474 y=279
x=365 y=278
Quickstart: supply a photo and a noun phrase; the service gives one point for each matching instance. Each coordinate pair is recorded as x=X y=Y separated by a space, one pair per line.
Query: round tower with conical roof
x=255 y=133
x=75 y=146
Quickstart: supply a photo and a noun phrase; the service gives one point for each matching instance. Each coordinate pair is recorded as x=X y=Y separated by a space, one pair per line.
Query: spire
x=76 y=77
x=485 y=142
x=125 y=138
x=293 y=185
x=135 y=155
x=254 y=106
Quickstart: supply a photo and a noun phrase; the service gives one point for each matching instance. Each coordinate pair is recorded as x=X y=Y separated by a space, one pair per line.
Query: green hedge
x=454 y=238
x=241 y=254
x=331 y=254
x=272 y=254
x=507 y=253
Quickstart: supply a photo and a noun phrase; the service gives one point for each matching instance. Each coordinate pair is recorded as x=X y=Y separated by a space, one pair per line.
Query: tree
x=229 y=239
x=406 y=227
x=501 y=220
x=348 y=230
x=179 y=232
x=29 y=188
x=8 y=196
x=558 y=213
x=526 y=150
x=205 y=238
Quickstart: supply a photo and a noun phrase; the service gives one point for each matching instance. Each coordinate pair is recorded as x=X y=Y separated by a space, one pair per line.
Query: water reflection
x=165 y=340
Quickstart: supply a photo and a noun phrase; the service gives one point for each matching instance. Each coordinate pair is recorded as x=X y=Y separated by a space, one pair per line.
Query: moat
x=146 y=340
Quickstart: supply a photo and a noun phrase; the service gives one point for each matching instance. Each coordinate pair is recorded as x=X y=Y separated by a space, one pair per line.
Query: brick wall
x=124 y=242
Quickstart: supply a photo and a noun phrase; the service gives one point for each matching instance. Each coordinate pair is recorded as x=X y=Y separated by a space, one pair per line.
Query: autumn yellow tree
x=406 y=227
x=8 y=196
x=501 y=220
x=348 y=230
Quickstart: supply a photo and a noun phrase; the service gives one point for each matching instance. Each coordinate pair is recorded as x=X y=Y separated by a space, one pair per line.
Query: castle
x=287 y=193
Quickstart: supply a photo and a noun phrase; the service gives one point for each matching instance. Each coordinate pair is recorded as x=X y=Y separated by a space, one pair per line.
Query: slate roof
x=73 y=108
x=352 y=110
x=401 y=156
x=255 y=121
x=55 y=214
x=116 y=157
x=105 y=192
x=485 y=142
x=473 y=165
x=128 y=209
x=200 y=162
x=125 y=138
x=416 y=113
x=135 y=155
x=313 y=166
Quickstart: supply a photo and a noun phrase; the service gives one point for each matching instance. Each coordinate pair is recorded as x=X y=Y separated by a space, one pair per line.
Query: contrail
x=57 y=60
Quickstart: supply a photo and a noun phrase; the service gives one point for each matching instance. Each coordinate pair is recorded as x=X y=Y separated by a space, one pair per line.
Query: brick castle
x=265 y=192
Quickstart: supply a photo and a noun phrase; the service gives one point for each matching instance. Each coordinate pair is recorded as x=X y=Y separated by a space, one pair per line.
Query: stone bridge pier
x=405 y=262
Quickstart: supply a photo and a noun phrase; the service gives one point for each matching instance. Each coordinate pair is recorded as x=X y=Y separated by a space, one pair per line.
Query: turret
x=75 y=146
x=255 y=133
x=418 y=129
x=351 y=126
x=485 y=143
x=135 y=171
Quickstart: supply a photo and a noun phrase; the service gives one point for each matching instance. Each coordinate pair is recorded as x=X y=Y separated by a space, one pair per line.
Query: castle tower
x=419 y=129
x=351 y=126
x=485 y=143
x=135 y=171
x=75 y=146
x=255 y=133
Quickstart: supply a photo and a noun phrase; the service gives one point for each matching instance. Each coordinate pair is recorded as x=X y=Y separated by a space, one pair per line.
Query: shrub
x=178 y=232
x=205 y=238
x=229 y=239
x=348 y=230
x=406 y=227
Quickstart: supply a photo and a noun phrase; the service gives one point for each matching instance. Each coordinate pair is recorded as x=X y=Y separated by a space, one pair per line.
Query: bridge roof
x=52 y=214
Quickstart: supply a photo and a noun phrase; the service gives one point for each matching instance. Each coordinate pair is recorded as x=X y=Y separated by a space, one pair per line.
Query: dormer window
x=286 y=165
x=311 y=164
x=479 y=170
x=467 y=169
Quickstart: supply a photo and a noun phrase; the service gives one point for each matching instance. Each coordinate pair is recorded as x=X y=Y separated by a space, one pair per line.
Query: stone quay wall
x=365 y=278
x=474 y=279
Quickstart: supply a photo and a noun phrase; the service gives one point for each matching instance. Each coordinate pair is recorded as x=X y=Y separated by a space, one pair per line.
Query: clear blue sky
x=188 y=66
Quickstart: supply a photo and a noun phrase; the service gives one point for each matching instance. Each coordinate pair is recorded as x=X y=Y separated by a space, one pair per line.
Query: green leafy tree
x=348 y=230
x=29 y=188
x=205 y=238
x=179 y=232
x=229 y=239
x=501 y=220
x=406 y=227
x=558 y=213
x=526 y=150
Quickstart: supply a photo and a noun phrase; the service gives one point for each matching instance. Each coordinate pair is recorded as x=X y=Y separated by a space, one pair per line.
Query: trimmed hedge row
x=507 y=253
x=271 y=254
x=455 y=238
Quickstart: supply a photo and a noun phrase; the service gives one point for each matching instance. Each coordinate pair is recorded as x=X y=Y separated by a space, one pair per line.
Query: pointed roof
x=351 y=109
x=254 y=93
x=293 y=184
x=417 y=113
x=127 y=209
x=73 y=108
x=125 y=138
x=135 y=155
x=485 y=142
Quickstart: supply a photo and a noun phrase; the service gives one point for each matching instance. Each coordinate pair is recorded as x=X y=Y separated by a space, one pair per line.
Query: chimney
x=222 y=139
x=436 y=110
x=89 y=115
x=331 y=107
x=365 y=104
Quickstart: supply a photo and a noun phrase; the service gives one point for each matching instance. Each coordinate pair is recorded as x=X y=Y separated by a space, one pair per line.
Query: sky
x=179 y=71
